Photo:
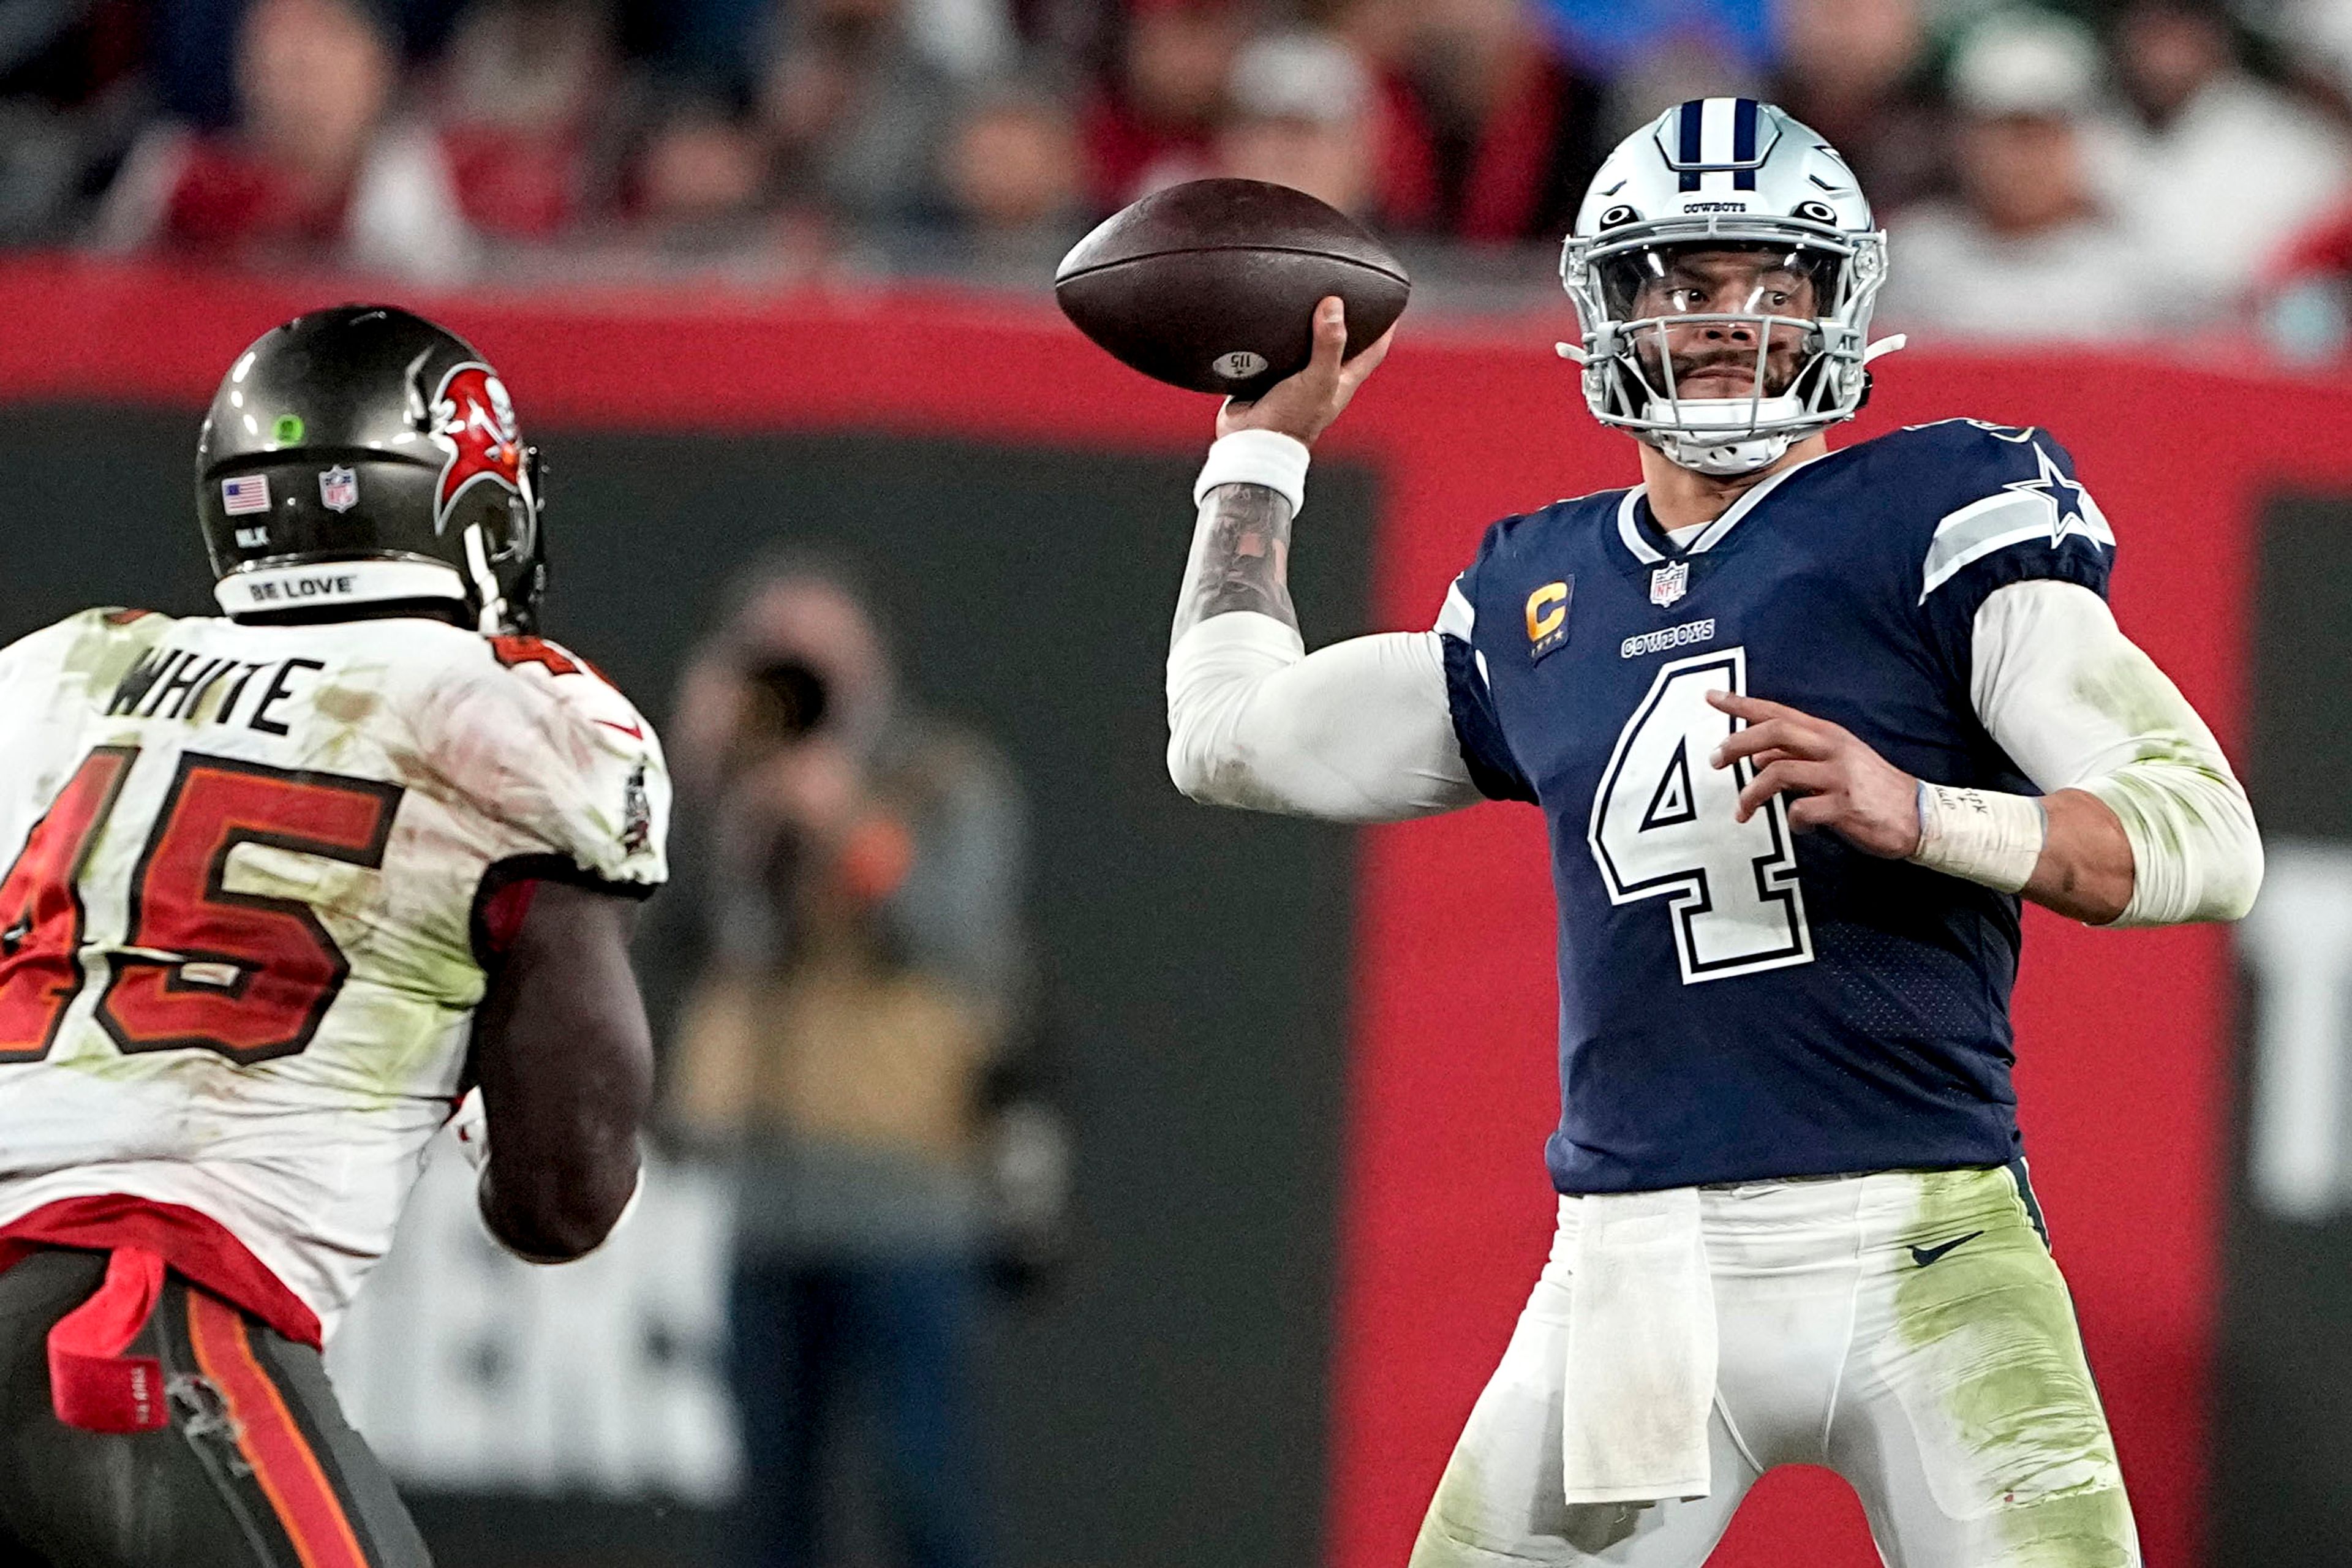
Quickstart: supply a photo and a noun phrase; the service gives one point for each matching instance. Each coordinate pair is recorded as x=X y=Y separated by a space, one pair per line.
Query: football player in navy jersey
x=1805 y=725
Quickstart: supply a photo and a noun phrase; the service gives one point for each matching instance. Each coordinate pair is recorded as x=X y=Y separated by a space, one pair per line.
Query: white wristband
x=1979 y=835
x=1265 y=457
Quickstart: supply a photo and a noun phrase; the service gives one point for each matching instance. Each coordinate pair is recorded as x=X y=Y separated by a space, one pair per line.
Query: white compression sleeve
x=2077 y=705
x=1358 y=731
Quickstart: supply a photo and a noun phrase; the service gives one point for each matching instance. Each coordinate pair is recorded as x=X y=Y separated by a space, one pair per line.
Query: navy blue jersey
x=1738 y=1002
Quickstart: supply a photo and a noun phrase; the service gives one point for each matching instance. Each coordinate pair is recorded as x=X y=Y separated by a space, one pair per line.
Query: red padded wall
x=2121 y=1037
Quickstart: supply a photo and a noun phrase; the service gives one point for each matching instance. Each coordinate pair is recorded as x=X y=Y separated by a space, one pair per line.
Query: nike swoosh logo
x=1924 y=1255
x=631 y=730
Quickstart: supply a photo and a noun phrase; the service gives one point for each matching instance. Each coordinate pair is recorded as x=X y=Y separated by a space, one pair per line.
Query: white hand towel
x=1640 y=1351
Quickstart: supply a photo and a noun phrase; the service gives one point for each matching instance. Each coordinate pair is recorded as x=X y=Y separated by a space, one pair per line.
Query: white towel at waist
x=1640 y=1351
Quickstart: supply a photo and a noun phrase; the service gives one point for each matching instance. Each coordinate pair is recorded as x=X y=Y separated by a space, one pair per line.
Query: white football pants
x=1944 y=1381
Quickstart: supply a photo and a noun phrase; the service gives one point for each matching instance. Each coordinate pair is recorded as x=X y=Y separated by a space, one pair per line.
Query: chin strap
x=1721 y=458
x=492 y=618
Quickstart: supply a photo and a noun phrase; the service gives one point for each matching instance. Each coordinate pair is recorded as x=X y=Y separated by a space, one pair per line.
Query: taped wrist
x=1979 y=835
x=1265 y=458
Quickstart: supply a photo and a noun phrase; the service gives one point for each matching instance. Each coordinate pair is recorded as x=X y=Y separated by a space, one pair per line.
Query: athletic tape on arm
x=1981 y=835
x=1256 y=457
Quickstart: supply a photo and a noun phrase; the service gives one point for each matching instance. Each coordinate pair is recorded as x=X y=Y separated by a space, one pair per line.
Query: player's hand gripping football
x=1304 y=405
x=1836 y=781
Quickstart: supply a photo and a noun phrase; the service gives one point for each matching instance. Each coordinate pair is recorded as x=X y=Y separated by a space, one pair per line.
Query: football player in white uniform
x=281 y=887
x=1805 y=725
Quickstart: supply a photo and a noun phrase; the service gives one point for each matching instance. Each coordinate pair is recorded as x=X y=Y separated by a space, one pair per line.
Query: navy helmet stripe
x=1743 y=142
x=1688 y=157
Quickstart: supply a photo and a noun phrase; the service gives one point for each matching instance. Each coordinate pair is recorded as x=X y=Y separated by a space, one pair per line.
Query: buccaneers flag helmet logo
x=473 y=423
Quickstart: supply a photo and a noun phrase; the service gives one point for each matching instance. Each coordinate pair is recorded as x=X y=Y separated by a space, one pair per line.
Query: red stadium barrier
x=2122 y=1039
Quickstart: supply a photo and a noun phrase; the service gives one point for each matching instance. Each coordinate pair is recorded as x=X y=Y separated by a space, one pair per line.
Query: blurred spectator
x=1697 y=62
x=2304 y=308
x=317 y=167
x=848 y=1048
x=941 y=135
x=1491 y=133
x=969 y=40
x=697 y=174
x=1301 y=115
x=1149 y=122
x=1854 y=70
x=1011 y=169
x=1624 y=35
x=2026 y=251
x=2314 y=37
x=2218 y=170
x=1382 y=34
x=69 y=101
x=718 y=49
x=855 y=113
x=521 y=82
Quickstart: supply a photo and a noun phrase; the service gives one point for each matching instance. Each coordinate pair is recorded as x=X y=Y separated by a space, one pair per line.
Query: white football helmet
x=1723 y=173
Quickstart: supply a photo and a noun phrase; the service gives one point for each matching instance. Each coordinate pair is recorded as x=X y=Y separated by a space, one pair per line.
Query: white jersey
x=239 y=927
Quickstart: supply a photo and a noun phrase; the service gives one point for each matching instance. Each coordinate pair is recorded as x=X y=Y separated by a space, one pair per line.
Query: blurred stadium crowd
x=2101 y=170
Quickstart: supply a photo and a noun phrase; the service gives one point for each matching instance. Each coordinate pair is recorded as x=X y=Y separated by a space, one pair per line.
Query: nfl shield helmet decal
x=1669 y=583
x=339 y=489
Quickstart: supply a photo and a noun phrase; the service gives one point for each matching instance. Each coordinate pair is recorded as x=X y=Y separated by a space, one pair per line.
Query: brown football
x=1211 y=285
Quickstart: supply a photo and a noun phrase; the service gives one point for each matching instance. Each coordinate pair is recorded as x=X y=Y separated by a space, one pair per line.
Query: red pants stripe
x=284 y=1466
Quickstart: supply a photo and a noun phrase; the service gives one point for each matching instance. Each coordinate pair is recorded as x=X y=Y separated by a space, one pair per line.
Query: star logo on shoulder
x=2072 y=509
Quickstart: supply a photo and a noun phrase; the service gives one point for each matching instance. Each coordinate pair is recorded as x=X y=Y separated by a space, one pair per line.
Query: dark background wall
x=2283 y=1497
x=1166 y=1404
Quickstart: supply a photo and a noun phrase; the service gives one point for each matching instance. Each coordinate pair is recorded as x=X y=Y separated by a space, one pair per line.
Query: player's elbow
x=1226 y=776
x=1183 y=770
x=2225 y=848
x=2237 y=879
x=2197 y=854
x=1191 y=770
x=578 y=1224
x=558 y=1212
x=1203 y=761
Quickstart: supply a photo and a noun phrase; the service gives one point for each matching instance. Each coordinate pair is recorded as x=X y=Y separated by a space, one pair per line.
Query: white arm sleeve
x=2077 y=705
x=1358 y=731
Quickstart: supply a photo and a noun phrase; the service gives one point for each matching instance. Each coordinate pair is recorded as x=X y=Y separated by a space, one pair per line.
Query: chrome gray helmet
x=1724 y=174
x=373 y=442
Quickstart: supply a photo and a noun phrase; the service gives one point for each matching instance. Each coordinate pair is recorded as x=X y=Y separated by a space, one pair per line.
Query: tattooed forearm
x=1241 y=558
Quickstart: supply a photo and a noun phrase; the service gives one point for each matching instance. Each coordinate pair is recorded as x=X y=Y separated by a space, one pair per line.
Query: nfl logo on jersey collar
x=1670 y=577
x=1669 y=583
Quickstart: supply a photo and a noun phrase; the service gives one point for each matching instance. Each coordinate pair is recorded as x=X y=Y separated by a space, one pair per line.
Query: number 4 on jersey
x=40 y=904
x=1663 y=827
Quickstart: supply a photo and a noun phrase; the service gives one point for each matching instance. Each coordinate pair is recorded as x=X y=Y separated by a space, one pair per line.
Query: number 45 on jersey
x=200 y=967
x=1664 y=826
